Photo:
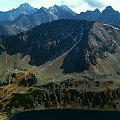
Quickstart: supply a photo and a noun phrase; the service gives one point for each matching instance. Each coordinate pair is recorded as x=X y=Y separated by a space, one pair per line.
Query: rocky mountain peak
x=43 y=8
x=97 y=10
x=14 y=13
x=54 y=8
x=109 y=8
x=26 y=8
x=25 y=5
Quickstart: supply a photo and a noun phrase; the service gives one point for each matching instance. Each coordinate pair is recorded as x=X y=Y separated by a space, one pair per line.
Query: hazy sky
x=76 y=5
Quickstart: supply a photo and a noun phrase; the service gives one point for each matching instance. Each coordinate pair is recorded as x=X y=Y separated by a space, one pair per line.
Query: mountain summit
x=109 y=8
x=25 y=5
x=14 y=13
x=26 y=9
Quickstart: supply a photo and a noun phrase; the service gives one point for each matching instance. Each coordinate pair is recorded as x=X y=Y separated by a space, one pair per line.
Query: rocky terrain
x=61 y=64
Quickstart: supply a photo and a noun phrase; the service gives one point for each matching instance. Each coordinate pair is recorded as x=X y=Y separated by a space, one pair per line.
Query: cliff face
x=62 y=64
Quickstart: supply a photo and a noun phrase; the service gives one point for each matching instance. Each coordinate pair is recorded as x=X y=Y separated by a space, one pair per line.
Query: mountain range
x=43 y=15
x=34 y=17
x=51 y=59
x=108 y=16
x=14 y=13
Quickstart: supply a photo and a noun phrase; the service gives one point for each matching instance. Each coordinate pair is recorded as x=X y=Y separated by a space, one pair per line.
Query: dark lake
x=66 y=115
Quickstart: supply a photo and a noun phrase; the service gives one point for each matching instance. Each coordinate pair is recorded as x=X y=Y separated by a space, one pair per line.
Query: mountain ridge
x=107 y=16
x=43 y=15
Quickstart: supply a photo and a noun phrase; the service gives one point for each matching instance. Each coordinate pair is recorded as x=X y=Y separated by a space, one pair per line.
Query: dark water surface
x=66 y=115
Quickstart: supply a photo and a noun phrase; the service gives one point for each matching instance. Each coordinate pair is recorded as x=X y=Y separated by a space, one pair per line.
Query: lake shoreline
x=61 y=112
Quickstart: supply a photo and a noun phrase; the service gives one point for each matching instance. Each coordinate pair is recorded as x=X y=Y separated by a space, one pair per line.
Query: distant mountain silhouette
x=108 y=16
x=14 y=13
x=89 y=15
x=43 y=15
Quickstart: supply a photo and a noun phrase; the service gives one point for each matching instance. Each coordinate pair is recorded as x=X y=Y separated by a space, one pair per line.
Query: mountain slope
x=46 y=39
x=93 y=42
x=11 y=29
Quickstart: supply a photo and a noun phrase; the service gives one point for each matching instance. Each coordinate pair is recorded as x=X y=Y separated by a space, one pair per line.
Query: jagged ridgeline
x=61 y=64
x=25 y=17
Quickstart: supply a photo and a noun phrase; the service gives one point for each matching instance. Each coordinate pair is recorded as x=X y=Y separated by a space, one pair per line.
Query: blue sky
x=76 y=5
